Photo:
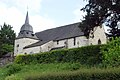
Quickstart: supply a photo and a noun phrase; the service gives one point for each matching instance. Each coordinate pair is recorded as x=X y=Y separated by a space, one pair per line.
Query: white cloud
x=78 y=15
x=41 y=23
x=14 y=14
x=33 y=5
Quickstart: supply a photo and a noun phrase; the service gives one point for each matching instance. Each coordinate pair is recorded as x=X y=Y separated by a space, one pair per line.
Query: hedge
x=87 y=74
x=89 y=55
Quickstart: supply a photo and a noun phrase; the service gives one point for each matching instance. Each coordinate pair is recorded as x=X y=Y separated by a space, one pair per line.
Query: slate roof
x=26 y=34
x=67 y=31
x=26 y=30
x=59 y=33
x=26 y=26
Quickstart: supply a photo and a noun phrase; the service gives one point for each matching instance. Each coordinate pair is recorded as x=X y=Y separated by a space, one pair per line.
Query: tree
x=5 y=48
x=99 y=12
x=7 y=37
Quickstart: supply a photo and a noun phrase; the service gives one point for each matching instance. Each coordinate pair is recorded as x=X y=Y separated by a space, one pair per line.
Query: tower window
x=99 y=41
x=17 y=45
x=74 y=41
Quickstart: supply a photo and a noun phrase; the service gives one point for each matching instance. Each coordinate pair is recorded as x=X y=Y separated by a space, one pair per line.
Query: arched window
x=74 y=41
x=99 y=41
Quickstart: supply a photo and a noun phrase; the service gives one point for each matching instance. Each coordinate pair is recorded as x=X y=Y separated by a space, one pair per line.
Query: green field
x=16 y=71
x=58 y=71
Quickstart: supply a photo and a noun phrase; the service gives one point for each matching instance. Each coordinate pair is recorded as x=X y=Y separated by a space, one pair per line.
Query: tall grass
x=17 y=71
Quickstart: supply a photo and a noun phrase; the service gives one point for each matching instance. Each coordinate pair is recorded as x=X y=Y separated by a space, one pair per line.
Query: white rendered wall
x=61 y=43
x=99 y=33
x=69 y=43
x=80 y=41
x=32 y=50
x=46 y=47
x=22 y=43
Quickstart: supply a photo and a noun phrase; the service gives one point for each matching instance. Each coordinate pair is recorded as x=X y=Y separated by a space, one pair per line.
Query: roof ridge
x=59 y=27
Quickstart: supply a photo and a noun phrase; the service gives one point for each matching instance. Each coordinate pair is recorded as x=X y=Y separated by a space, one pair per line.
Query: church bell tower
x=25 y=37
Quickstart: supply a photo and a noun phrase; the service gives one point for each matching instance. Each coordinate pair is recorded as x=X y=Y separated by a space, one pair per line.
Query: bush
x=12 y=68
x=89 y=55
x=111 y=53
x=5 y=48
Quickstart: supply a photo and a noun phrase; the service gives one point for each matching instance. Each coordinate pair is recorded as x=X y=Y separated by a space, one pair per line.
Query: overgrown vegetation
x=111 y=52
x=58 y=71
x=82 y=74
x=85 y=63
x=17 y=71
x=95 y=62
x=89 y=55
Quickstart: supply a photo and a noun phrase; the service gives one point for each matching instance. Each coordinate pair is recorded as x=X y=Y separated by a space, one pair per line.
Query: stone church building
x=68 y=36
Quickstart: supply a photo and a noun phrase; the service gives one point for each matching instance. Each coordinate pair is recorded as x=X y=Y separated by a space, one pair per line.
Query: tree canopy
x=99 y=12
x=7 y=37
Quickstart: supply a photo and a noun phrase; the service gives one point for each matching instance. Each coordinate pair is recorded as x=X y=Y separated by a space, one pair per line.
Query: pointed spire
x=27 y=19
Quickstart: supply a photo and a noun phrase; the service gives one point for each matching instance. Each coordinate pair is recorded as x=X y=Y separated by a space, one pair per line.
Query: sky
x=43 y=14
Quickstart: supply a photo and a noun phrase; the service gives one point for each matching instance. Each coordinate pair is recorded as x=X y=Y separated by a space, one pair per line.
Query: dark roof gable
x=67 y=31
x=59 y=33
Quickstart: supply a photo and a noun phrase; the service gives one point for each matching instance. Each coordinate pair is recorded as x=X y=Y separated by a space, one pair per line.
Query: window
x=74 y=41
x=32 y=34
x=57 y=42
x=27 y=32
x=25 y=53
x=99 y=41
x=17 y=45
x=31 y=52
x=65 y=42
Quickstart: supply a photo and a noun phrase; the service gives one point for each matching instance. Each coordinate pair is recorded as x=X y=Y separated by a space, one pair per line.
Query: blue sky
x=43 y=14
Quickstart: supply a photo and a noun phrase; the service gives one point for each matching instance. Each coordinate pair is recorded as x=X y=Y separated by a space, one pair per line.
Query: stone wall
x=97 y=36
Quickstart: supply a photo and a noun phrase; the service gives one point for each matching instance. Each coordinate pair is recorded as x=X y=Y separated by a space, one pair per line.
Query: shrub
x=12 y=68
x=111 y=53
x=89 y=55
x=5 y=48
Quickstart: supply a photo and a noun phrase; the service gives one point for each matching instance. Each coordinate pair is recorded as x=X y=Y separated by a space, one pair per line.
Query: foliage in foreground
x=58 y=71
x=82 y=74
x=15 y=71
x=89 y=55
